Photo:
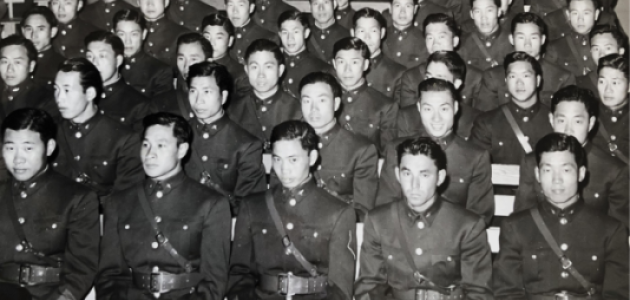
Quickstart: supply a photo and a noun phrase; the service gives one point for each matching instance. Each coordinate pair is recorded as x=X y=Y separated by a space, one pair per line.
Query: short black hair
x=437 y=85
x=558 y=142
x=596 y=3
x=452 y=61
x=16 y=40
x=496 y=2
x=194 y=37
x=621 y=39
x=615 y=61
x=322 y=77
x=131 y=16
x=422 y=146
x=369 y=13
x=106 y=37
x=264 y=45
x=352 y=43
x=33 y=119
x=572 y=93
x=295 y=130
x=293 y=15
x=218 y=19
x=211 y=69
x=181 y=129
x=44 y=11
x=522 y=56
x=529 y=18
x=88 y=74
x=441 y=18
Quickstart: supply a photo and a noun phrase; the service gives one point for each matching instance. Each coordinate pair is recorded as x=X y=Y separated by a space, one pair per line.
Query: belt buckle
x=160 y=238
x=26 y=275
x=563 y=295
x=566 y=262
x=284 y=284
x=612 y=147
x=155 y=283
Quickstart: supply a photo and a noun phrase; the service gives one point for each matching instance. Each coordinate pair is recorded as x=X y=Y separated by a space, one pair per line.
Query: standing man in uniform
x=605 y=40
x=49 y=223
x=295 y=239
x=325 y=31
x=72 y=29
x=561 y=249
x=102 y=12
x=240 y=13
x=163 y=32
x=167 y=235
x=421 y=246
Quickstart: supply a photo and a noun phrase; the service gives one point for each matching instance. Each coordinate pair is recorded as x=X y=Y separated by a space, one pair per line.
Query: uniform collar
x=299 y=192
x=343 y=11
x=29 y=187
x=102 y=4
x=580 y=39
x=327 y=137
x=609 y=113
x=446 y=141
x=136 y=57
x=297 y=57
x=15 y=91
x=522 y=113
x=46 y=52
x=565 y=215
x=114 y=87
x=270 y=100
x=158 y=189
x=69 y=26
x=223 y=60
x=401 y=33
x=212 y=128
x=83 y=129
x=490 y=37
x=427 y=216
x=156 y=24
x=354 y=92
x=247 y=27
x=376 y=60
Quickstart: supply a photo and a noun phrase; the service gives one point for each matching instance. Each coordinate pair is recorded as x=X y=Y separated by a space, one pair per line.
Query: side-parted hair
x=558 y=142
x=369 y=13
x=194 y=37
x=131 y=16
x=293 y=15
x=218 y=19
x=264 y=45
x=88 y=74
x=529 y=18
x=44 y=11
x=452 y=61
x=572 y=93
x=322 y=77
x=211 y=69
x=596 y=3
x=181 y=129
x=295 y=130
x=106 y=37
x=615 y=61
x=16 y=40
x=522 y=56
x=352 y=43
x=496 y=2
x=33 y=119
x=621 y=39
x=437 y=85
x=441 y=18
x=422 y=146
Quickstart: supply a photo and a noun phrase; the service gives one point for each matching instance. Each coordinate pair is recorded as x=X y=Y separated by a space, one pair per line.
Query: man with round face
x=325 y=31
x=192 y=226
x=605 y=40
x=161 y=39
x=348 y=165
x=562 y=18
x=317 y=225
x=42 y=198
x=71 y=30
x=591 y=243
x=223 y=156
x=430 y=225
x=240 y=12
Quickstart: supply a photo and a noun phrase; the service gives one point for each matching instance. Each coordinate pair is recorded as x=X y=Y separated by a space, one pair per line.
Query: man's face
x=25 y=153
x=15 y=65
x=439 y=37
x=71 y=99
x=369 y=31
x=291 y=162
x=102 y=56
x=403 y=12
x=153 y=9
x=571 y=118
x=559 y=176
x=206 y=99
x=437 y=112
x=161 y=157
x=604 y=44
x=485 y=13
x=613 y=88
x=323 y=10
x=65 y=10
x=219 y=39
x=318 y=104
x=583 y=15
x=527 y=38
x=293 y=36
x=188 y=55
x=132 y=36
x=349 y=66
x=263 y=71
x=238 y=11
x=419 y=178
x=38 y=30
x=522 y=81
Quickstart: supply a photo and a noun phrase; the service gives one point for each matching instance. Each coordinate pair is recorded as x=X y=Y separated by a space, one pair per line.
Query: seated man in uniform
x=370 y=27
x=266 y=105
x=294 y=239
x=223 y=156
x=50 y=225
x=119 y=100
x=468 y=167
x=189 y=13
x=101 y=12
x=561 y=249
x=325 y=31
x=574 y=112
x=162 y=31
x=488 y=44
x=298 y=61
x=72 y=29
x=509 y=131
x=559 y=20
x=267 y=13
x=145 y=73
x=167 y=235
x=450 y=256
x=528 y=35
x=94 y=149
x=364 y=110
x=349 y=162
x=40 y=26
x=240 y=12
x=605 y=40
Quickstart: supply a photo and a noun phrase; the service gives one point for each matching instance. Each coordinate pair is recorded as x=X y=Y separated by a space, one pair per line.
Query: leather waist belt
x=425 y=294
x=164 y=282
x=27 y=274
x=289 y=284
x=564 y=295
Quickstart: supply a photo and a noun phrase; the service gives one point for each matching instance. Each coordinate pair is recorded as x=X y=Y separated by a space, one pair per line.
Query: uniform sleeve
x=161 y=82
x=488 y=97
x=476 y=263
x=342 y=254
x=251 y=172
x=480 y=194
x=242 y=277
x=388 y=186
x=481 y=132
x=618 y=196
x=388 y=125
x=408 y=90
x=372 y=280
x=616 y=266
x=129 y=167
x=365 y=182
x=508 y=269
x=527 y=192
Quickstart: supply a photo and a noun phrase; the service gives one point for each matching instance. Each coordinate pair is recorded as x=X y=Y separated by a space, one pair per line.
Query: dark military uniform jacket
x=605 y=187
x=101 y=153
x=267 y=12
x=298 y=66
x=259 y=116
x=344 y=16
x=101 y=14
x=26 y=94
x=596 y=244
x=174 y=101
x=161 y=42
x=497 y=45
x=492 y=131
x=241 y=81
x=367 y=112
x=348 y=167
x=409 y=122
x=194 y=219
x=48 y=62
x=69 y=41
x=322 y=41
x=122 y=102
x=406 y=47
x=227 y=158
x=469 y=172
x=494 y=91
x=618 y=127
x=318 y=224
x=60 y=219
x=460 y=10
x=447 y=243
x=189 y=13
x=558 y=25
x=147 y=74
x=588 y=81
x=245 y=35
x=383 y=74
x=572 y=52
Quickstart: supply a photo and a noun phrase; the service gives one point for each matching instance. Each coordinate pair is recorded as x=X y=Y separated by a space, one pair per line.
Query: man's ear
x=280 y=70
x=312 y=157
x=581 y=173
x=538 y=80
x=622 y=51
x=79 y=5
x=415 y=9
x=591 y=123
x=53 y=32
x=441 y=177
x=31 y=66
x=307 y=33
x=337 y=101
x=334 y=5
x=551 y=119
x=246 y=70
x=455 y=42
x=383 y=32
x=182 y=150
x=471 y=14
x=252 y=7
x=457 y=83
x=50 y=147
x=144 y=35
x=352 y=32
x=397 y=172
x=567 y=14
x=597 y=11
x=455 y=107
x=334 y=64
x=366 y=65
x=120 y=59
x=91 y=94
x=167 y=3
x=537 y=173
x=543 y=39
x=511 y=38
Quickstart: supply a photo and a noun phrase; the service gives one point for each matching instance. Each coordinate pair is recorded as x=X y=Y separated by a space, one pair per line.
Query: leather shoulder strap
x=611 y=146
x=483 y=49
x=318 y=48
x=517 y=130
